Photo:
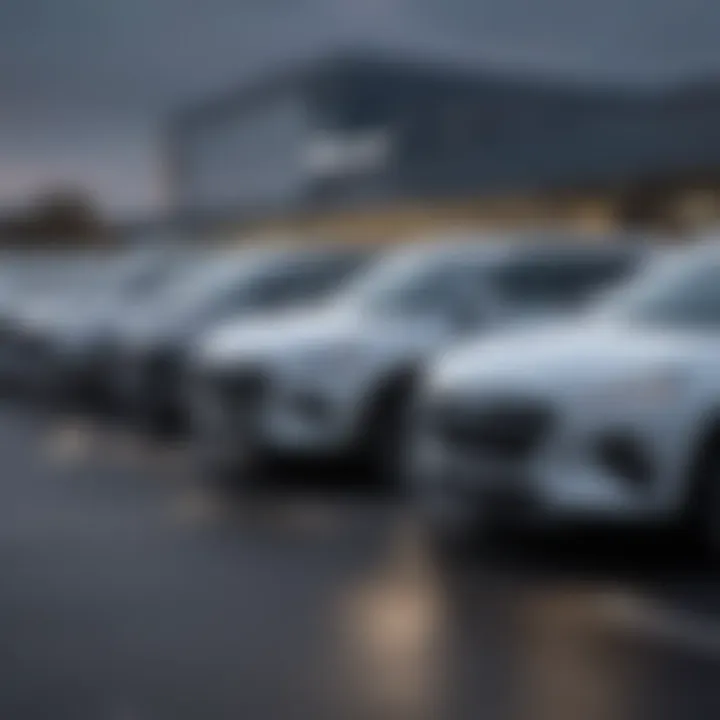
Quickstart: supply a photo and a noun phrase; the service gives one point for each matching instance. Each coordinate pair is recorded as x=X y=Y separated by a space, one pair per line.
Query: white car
x=155 y=338
x=613 y=417
x=336 y=382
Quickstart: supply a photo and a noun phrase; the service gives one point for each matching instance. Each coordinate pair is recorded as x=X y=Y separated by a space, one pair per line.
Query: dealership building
x=362 y=145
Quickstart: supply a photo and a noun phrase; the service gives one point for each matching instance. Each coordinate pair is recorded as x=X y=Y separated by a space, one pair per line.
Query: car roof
x=529 y=246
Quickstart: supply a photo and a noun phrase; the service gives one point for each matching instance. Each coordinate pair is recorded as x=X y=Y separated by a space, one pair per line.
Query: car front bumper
x=570 y=475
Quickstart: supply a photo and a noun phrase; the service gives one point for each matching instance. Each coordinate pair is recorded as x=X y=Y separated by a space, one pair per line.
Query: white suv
x=336 y=381
x=614 y=416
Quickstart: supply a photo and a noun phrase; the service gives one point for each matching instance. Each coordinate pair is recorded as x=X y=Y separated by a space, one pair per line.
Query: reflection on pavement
x=392 y=625
x=569 y=664
x=412 y=646
x=68 y=444
x=391 y=631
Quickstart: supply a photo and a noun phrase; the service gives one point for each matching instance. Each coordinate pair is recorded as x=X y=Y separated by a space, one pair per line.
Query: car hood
x=47 y=314
x=145 y=325
x=72 y=319
x=291 y=335
x=566 y=355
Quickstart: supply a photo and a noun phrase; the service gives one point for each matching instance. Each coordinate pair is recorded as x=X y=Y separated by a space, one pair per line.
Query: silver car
x=336 y=381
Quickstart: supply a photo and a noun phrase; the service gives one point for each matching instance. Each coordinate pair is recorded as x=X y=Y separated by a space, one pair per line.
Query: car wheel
x=710 y=510
x=388 y=429
x=702 y=516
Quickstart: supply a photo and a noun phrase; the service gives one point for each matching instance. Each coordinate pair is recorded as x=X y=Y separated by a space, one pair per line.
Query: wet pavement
x=133 y=589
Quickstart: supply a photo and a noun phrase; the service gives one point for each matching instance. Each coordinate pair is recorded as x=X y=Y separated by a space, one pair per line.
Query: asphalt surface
x=133 y=589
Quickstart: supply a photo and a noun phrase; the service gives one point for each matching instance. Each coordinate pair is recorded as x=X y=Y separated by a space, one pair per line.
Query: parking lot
x=134 y=590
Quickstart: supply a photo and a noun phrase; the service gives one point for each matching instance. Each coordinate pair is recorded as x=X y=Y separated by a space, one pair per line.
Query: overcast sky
x=85 y=83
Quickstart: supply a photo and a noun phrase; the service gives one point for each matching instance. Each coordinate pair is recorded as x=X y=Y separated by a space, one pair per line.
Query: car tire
x=701 y=520
x=388 y=426
x=709 y=512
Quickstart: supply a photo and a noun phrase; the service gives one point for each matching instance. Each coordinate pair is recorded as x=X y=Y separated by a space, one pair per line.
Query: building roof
x=381 y=60
x=601 y=136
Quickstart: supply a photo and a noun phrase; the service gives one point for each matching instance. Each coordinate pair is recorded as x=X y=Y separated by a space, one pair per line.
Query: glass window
x=420 y=284
x=684 y=295
x=303 y=279
x=228 y=284
x=557 y=282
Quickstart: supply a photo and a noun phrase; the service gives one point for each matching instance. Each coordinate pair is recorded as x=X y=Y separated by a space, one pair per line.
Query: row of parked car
x=528 y=379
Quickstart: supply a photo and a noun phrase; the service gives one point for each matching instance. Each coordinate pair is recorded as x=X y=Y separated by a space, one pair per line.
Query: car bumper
x=571 y=475
x=314 y=420
x=522 y=495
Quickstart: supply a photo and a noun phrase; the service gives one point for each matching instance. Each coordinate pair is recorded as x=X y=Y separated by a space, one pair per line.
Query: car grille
x=503 y=428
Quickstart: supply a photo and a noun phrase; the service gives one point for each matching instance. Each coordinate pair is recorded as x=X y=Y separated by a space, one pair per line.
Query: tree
x=63 y=215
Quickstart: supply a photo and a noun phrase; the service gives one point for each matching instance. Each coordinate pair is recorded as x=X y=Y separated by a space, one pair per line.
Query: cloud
x=148 y=52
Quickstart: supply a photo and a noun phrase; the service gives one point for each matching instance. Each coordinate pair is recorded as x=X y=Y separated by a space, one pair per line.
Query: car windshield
x=559 y=282
x=410 y=284
x=260 y=281
x=200 y=283
x=142 y=272
x=681 y=292
x=417 y=283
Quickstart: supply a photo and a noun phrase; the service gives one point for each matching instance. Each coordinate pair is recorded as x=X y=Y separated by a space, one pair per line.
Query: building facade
x=351 y=145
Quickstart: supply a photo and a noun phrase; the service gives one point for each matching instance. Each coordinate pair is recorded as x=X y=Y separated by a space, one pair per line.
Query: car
x=79 y=332
x=335 y=382
x=612 y=417
x=17 y=281
x=42 y=287
x=155 y=340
